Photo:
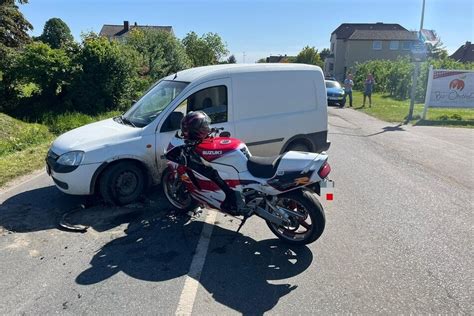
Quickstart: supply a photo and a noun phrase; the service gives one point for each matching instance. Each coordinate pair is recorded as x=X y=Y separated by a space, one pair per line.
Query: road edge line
x=191 y=283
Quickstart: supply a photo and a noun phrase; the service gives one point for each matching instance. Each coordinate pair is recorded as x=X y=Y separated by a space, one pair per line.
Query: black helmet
x=196 y=125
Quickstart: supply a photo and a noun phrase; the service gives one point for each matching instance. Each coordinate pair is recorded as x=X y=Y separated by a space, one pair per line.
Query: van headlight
x=72 y=158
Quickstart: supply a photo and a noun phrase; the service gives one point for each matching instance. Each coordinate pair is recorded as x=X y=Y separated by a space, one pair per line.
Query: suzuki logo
x=212 y=152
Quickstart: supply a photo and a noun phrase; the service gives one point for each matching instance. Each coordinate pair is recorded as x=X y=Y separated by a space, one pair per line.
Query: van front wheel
x=122 y=183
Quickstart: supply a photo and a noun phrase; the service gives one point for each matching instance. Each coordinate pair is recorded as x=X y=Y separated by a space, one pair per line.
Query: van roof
x=216 y=71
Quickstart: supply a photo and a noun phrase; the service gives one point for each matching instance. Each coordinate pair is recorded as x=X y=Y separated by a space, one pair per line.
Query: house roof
x=110 y=30
x=465 y=53
x=384 y=35
x=345 y=30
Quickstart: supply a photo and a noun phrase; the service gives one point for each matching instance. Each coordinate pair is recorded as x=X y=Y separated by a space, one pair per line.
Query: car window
x=332 y=84
x=213 y=101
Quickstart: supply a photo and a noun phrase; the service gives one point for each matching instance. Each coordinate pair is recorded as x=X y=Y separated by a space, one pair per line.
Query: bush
x=394 y=77
x=106 y=80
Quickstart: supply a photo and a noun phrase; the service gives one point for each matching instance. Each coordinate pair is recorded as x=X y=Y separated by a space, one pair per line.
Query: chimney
x=126 y=25
x=468 y=43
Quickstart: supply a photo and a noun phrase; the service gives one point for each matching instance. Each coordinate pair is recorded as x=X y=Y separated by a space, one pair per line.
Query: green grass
x=16 y=135
x=391 y=110
x=23 y=146
x=22 y=162
x=62 y=123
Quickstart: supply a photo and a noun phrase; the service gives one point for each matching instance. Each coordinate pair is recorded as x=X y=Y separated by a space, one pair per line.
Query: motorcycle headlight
x=72 y=158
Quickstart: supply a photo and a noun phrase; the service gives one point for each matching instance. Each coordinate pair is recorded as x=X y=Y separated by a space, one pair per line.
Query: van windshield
x=154 y=102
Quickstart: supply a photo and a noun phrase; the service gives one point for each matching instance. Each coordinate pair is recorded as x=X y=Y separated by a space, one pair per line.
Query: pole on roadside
x=415 y=71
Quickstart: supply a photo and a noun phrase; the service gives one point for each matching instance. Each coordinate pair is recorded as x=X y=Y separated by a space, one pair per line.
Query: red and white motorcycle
x=282 y=190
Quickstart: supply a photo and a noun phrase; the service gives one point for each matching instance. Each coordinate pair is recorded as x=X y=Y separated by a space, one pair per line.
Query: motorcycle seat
x=263 y=167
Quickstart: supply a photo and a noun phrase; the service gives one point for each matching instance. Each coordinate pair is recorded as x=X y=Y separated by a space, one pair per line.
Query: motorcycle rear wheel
x=306 y=230
x=175 y=191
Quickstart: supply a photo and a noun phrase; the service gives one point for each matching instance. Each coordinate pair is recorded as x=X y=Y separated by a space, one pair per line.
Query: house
x=279 y=59
x=119 y=32
x=464 y=54
x=353 y=43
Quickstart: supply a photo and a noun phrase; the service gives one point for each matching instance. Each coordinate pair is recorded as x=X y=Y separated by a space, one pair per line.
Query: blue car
x=335 y=93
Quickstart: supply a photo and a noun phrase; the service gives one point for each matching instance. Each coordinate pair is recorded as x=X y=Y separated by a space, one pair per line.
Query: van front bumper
x=77 y=181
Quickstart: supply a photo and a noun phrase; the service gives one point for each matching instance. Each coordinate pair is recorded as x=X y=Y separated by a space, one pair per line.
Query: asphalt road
x=398 y=240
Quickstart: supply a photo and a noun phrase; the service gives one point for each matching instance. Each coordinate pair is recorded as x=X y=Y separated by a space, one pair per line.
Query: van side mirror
x=172 y=122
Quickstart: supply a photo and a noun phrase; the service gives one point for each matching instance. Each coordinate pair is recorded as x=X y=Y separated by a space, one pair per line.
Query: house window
x=406 y=45
x=332 y=47
x=331 y=66
x=377 y=45
x=394 y=45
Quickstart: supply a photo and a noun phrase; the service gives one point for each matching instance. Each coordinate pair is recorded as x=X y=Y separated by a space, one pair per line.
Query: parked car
x=274 y=108
x=335 y=93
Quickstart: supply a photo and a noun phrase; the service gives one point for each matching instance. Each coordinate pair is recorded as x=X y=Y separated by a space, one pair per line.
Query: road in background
x=398 y=239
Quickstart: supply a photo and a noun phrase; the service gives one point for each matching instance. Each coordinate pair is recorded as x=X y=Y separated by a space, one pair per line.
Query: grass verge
x=23 y=146
x=391 y=110
x=22 y=162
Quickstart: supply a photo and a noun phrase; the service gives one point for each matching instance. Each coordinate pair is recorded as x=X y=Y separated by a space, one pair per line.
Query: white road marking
x=21 y=183
x=191 y=284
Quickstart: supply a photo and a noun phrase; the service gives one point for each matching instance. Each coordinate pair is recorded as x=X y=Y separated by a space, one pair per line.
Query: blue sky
x=260 y=27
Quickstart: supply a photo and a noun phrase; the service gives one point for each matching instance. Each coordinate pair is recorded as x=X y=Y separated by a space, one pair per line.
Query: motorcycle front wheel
x=176 y=192
x=306 y=229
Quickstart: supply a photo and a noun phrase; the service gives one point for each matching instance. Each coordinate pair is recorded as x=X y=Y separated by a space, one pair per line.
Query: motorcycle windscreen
x=203 y=189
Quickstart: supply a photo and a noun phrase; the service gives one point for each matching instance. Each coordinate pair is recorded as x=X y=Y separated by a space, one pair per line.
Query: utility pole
x=416 y=70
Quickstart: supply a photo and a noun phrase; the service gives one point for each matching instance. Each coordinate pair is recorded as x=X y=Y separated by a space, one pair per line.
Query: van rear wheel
x=122 y=183
x=298 y=146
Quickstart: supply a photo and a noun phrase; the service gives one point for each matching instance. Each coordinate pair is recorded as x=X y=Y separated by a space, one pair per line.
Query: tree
x=56 y=33
x=50 y=69
x=324 y=54
x=309 y=55
x=262 y=61
x=13 y=25
x=105 y=81
x=161 y=52
x=205 y=50
x=231 y=60
x=437 y=51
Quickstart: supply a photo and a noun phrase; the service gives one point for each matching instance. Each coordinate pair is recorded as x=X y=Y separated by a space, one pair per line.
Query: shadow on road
x=395 y=128
x=237 y=267
x=42 y=209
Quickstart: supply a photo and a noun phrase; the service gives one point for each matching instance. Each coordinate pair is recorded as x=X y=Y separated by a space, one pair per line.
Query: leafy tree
x=205 y=50
x=13 y=25
x=161 y=52
x=262 y=61
x=231 y=60
x=56 y=33
x=309 y=55
x=105 y=80
x=437 y=51
x=324 y=54
x=50 y=69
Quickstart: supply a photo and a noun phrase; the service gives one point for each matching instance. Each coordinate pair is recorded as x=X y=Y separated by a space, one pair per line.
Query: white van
x=271 y=107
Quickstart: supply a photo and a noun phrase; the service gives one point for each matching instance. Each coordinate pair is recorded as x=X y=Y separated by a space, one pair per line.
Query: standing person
x=368 y=88
x=348 y=84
